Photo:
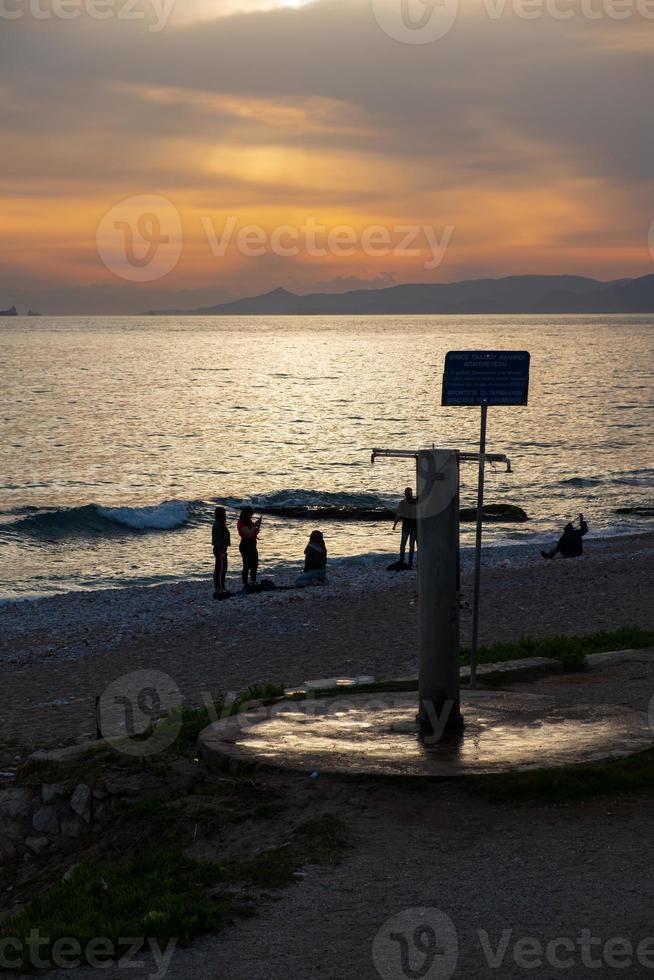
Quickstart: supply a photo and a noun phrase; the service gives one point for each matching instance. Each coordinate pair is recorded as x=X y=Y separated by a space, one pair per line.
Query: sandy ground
x=57 y=654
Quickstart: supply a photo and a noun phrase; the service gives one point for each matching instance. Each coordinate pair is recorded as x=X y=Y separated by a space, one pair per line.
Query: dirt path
x=495 y=880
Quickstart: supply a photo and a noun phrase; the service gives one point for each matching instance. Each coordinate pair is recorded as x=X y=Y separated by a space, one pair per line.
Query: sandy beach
x=57 y=654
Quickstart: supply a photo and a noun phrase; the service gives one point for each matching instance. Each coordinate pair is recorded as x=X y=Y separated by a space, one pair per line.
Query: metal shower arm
x=463 y=457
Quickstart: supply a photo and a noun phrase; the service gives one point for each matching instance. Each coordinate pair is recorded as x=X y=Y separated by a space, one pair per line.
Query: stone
x=64 y=756
x=12 y=830
x=100 y=793
x=71 y=871
x=7 y=850
x=71 y=827
x=46 y=821
x=38 y=844
x=17 y=803
x=80 y=802
x=134 y=785
x=52 y=791
x=102 y=813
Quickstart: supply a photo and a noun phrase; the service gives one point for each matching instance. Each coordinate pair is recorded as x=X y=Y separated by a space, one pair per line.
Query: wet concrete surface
x=376 y=734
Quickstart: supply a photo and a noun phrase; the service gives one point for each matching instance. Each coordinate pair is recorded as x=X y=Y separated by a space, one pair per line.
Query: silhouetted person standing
x=406 y=512
x=570 y=543
x=220 y=540
x=248 y=531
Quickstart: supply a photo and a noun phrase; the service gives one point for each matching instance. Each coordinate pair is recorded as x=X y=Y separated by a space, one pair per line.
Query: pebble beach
x=57 y=654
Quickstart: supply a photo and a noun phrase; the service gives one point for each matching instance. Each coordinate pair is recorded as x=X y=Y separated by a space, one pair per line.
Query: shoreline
x=143 y=609
x=58 y=654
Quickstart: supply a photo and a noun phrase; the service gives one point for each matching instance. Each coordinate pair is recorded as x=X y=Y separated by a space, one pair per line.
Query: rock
x=7 y=851
x=134 y=785
x=71 y=827
x=509 y=513
x=80 y=802
x=100 y=793
x=38 y=844
x=51 y=791
x=71 y=871
x=12 y=831
x=102 y=813
x=61 y=757
x=46 y=821
x=17 y=803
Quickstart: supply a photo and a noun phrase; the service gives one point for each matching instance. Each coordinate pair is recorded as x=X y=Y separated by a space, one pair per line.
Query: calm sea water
x=119 y=435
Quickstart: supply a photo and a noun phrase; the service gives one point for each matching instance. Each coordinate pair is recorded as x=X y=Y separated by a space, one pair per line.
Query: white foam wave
x=162 y=517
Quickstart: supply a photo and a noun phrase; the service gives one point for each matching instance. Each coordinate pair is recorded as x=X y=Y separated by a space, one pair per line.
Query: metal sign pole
x=480 y=522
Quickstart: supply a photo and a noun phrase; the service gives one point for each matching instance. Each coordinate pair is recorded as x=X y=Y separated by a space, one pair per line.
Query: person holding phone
x=569 y=544
x=248 y=532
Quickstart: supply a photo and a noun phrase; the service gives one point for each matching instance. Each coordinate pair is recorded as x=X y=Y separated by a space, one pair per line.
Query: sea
x=120 y=435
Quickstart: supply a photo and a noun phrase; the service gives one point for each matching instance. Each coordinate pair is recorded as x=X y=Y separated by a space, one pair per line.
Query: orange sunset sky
x=530 y=139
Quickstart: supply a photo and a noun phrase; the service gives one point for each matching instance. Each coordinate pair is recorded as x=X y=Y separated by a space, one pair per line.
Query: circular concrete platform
x=376 y=734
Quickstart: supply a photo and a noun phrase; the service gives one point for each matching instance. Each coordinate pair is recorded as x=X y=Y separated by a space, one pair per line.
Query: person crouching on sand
x=220 y=540
x=569 y=544
x=248 y=531
x=315 y=562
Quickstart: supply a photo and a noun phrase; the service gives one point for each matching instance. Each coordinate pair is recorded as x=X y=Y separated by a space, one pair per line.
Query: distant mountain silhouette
x=514 y=294
x=10 y=312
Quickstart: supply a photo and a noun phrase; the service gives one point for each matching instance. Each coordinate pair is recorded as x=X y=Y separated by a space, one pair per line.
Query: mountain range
x=511 y=295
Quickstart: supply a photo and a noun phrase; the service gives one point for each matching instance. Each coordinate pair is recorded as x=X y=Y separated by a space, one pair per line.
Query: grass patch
x=571 y=650
x=633 y=774
x=159 y=894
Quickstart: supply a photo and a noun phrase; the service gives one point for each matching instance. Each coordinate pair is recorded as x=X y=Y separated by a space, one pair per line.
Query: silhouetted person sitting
x=406 y=512
x=570 y=544
x=315 y=562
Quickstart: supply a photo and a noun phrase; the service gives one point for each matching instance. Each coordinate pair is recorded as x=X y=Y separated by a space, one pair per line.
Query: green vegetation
x=571 y=650
x=570 y=783
x=164 y=895
x=158 y=894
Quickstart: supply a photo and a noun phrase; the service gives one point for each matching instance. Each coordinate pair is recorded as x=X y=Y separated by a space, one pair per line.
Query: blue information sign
x=486 y=377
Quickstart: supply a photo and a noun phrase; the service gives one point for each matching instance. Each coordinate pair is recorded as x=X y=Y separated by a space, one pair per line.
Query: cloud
x=530 y=137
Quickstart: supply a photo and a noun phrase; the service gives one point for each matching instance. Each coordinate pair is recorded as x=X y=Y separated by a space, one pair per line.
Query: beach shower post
x=437 y=515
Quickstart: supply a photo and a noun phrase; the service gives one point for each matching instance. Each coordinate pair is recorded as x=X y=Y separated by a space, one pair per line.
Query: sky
x=161 y=154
